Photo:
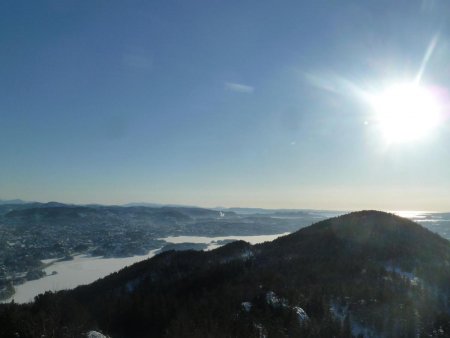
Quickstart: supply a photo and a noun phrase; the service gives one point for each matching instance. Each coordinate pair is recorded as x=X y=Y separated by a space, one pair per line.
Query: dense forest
x=362 y=274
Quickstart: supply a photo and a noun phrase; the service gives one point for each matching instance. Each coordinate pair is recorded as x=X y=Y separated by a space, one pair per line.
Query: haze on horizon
x=324 y=105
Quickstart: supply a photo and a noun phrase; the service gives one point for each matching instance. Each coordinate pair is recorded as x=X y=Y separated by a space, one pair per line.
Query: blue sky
x=218 y=103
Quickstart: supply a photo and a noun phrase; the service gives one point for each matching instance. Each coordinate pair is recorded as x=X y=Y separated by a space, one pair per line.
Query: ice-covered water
x=86 y=269
x=212 y=242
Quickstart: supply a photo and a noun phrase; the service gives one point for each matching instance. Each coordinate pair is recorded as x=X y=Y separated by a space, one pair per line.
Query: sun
x=406 y=112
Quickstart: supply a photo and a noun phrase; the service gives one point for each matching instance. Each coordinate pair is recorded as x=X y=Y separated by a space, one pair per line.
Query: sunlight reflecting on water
x=411 y=213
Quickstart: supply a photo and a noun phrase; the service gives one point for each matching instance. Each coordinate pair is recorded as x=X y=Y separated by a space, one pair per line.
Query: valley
x=32 y=235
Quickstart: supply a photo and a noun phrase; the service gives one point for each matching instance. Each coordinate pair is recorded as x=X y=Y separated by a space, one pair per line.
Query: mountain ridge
x=365 y=273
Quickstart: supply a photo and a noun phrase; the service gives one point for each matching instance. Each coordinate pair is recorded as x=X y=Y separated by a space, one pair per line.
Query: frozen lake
x=212 y=241
x=79 y=271
x=87 y=269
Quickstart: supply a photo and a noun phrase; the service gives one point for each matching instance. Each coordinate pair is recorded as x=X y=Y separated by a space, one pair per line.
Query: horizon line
x=158 y=204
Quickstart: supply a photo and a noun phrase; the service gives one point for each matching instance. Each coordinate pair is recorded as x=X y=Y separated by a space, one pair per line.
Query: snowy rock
x=247 y=254
x=271 y=298
x=274 y=300
x=301 y=314
x=413 y=279
x=262 y=333
x=247 y=306
x=95 y=334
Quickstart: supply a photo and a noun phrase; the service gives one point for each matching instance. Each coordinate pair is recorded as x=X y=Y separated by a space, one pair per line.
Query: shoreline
x=84 y=269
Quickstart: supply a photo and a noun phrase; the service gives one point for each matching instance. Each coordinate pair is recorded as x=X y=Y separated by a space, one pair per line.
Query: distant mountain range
x=368 y=273
x=133 y=204
x=14 y=201
x=238 y=210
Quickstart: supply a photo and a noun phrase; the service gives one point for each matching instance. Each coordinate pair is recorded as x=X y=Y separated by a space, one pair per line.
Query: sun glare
x=406 y=112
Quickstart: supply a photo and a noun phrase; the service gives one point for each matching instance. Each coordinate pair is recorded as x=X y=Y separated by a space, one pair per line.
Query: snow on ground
x=247 y=306
x=275 y=301
x=95 y=334
x=301 y=314
x=413 y=279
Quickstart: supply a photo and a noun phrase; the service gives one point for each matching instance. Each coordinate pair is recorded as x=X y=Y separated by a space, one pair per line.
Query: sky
x=220 y=103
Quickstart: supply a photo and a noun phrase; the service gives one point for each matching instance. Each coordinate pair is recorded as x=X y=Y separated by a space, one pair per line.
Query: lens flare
x=406 y=112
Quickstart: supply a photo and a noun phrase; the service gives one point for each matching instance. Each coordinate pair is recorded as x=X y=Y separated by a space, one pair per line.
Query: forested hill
x=366 y=273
